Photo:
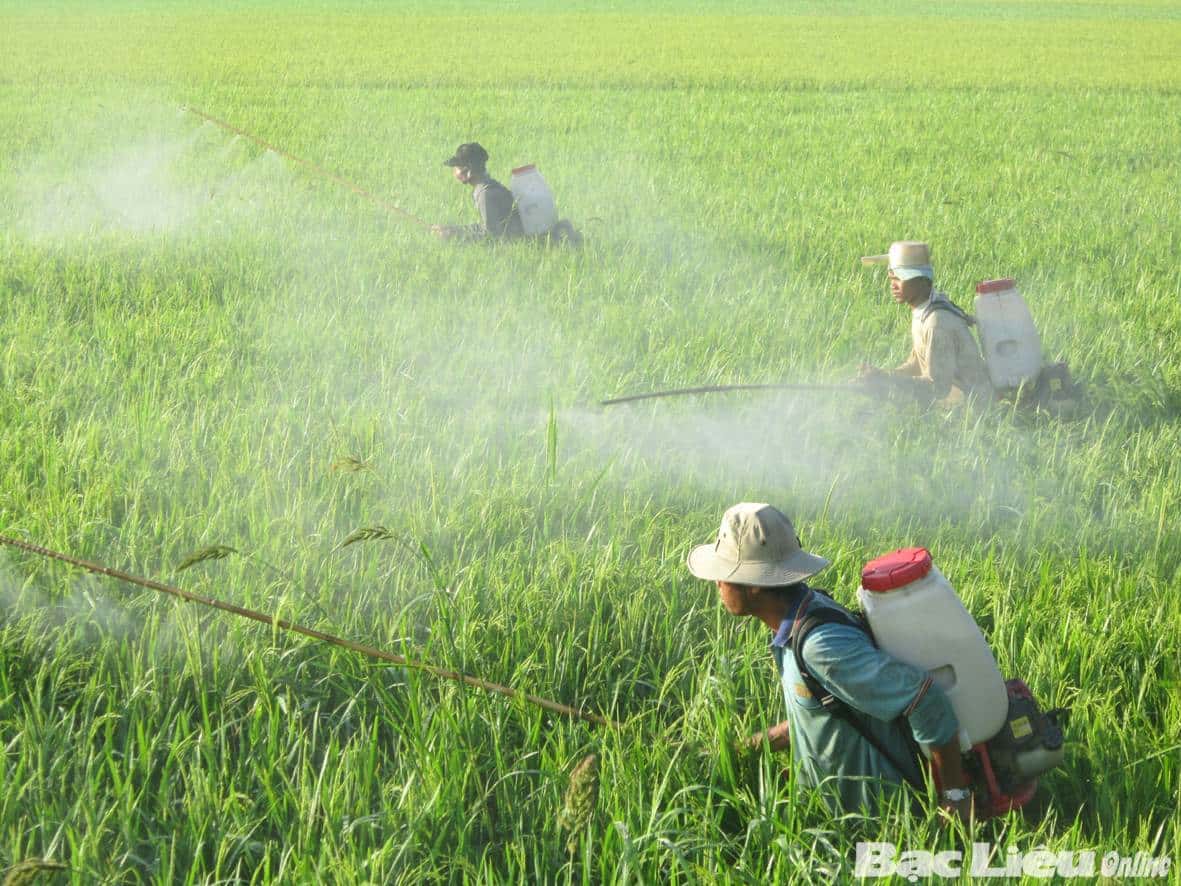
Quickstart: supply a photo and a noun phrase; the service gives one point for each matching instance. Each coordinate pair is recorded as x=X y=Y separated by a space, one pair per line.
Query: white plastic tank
x=916 y=616
x=534 y=199
x=1011 y=344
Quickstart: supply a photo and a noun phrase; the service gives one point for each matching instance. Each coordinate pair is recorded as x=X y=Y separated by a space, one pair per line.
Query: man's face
x=908 y=292
x=736 y=598
x=462 y=174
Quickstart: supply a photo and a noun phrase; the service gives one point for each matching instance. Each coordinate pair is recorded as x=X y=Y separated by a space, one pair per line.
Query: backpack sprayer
x=1011 y=345
x=912 y=612
x=534 y=199
x=538 y=211
x=1009 y=340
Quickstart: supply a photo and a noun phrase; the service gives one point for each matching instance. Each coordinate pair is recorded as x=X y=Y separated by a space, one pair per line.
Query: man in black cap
x=498 y=212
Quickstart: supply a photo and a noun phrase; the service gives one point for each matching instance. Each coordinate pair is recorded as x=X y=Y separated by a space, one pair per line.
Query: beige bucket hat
x=756 y=545
x=906 y=258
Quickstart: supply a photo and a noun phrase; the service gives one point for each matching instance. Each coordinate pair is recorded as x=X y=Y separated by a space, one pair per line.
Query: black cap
x=469 y=154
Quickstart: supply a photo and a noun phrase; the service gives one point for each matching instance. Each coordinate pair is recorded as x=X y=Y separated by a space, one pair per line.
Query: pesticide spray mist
x=446 y=369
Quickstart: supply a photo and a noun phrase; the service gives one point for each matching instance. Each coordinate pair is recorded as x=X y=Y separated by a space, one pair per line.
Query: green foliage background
x=194 y=332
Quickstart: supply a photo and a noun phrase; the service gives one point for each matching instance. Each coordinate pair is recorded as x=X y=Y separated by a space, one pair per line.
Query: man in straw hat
x=856 y=748
x=945 y=363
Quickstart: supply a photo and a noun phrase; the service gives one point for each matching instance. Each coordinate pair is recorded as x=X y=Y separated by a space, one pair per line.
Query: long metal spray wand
x=714 y=389
x=308 y=164
x=286 y=625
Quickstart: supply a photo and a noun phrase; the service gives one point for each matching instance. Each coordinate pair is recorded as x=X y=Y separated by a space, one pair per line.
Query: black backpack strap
x=808 y=618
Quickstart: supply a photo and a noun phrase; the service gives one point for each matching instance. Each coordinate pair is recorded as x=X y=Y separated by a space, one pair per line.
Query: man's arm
x=872 y=681
x=948 y=763
x=490 y=223
x=876 y=683
x=927 y=715
x=909 y=368
x=888 y=379
x=939 y=342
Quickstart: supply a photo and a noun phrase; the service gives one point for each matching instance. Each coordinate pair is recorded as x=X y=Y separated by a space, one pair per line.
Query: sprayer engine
x=1005 y=768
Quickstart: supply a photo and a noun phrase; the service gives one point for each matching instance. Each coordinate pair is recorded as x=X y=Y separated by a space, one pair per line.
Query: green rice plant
x=551 y=442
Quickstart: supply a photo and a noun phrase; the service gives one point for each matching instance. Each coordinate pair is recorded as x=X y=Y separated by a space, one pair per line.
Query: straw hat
x=906 y=258
x=756 y=545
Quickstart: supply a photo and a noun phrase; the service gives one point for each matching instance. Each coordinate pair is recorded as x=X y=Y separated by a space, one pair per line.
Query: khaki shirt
x=945 y=362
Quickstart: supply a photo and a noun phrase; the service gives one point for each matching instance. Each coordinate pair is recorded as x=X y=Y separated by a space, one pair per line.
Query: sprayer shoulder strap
x=807 y=620
x=944 y=304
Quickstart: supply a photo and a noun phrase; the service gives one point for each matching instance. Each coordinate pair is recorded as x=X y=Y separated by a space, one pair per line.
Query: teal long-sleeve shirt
x=828 y=752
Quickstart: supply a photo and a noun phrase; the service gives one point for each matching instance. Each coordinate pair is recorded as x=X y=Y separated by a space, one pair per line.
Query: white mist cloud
x=151 y=185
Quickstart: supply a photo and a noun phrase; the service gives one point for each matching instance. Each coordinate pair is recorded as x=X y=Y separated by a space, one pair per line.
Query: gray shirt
x=498 y=212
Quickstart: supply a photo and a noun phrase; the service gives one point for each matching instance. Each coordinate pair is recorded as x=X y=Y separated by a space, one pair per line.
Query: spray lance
x=853 y=388
x=309 y=165
x=274 y=621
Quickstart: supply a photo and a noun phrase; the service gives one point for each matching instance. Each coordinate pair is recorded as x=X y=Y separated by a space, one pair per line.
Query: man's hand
x=872 y=376
x=868 y=370
x=959 y=806
x=880 y=382
x=443 y=232
x=777 y=738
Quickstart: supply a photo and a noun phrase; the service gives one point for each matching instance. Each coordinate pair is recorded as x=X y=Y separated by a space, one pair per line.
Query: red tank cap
x=1002 y=285
x=523 y=169
x=894 y=570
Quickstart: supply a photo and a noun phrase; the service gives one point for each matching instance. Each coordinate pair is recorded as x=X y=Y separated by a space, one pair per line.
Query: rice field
x=203 y=344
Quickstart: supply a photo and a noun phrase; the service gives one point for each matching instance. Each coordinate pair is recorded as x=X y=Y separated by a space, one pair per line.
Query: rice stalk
x=579 y=805
x=351 y=465
x=26 y=872
x=368 y=533
x=212 y=552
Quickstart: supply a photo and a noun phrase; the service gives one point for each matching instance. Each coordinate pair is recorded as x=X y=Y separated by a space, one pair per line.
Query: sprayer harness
x=940 y=302
x=807 y=620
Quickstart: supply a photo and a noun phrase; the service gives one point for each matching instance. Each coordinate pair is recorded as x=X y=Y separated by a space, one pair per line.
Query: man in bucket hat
x=857 y=751
x=498 y=212
x=945 y=363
